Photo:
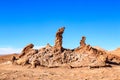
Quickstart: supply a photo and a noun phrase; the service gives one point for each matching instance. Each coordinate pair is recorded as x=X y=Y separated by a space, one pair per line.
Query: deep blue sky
x=36 y=21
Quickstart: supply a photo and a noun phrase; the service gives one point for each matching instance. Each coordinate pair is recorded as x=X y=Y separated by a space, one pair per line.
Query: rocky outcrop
x=57 y=56
x=26 y=53
x=89 y=56
x=113 y=59
x=26 y=50
x=82 y=42
x=58 y=40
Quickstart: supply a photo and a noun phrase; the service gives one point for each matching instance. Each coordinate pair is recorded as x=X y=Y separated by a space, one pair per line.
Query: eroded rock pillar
x=82 y=42
x=58 y=40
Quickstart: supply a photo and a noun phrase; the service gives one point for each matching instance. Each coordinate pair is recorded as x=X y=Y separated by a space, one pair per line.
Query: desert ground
x=9 y=71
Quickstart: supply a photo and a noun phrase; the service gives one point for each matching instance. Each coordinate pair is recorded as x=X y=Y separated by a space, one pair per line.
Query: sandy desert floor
x=9 y=71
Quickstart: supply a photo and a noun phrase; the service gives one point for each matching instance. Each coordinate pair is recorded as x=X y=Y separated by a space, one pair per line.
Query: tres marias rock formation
x=57 y=56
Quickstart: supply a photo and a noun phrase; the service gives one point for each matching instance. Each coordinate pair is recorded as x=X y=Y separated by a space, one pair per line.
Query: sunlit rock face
x=57 y=56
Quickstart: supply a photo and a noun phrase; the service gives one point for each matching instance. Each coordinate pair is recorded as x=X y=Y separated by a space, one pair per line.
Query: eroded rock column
x=82 y=42
x=58 y=40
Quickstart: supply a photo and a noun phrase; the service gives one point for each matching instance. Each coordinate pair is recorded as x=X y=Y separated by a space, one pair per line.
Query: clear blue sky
x=36 y=21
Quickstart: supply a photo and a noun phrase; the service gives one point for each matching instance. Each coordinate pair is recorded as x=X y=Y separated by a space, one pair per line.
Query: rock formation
x=26 y=50
x=58 y=40
x=25 y=54
x=57 y=56
x=82 y=42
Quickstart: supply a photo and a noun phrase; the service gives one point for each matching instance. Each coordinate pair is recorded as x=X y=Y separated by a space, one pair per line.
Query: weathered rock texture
x=58 y=40
x=82 y=42
x=26 y=50
x=56 y=56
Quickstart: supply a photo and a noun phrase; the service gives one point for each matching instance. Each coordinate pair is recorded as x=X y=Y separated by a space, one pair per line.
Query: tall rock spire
x=82 y=42
x=58 y=40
